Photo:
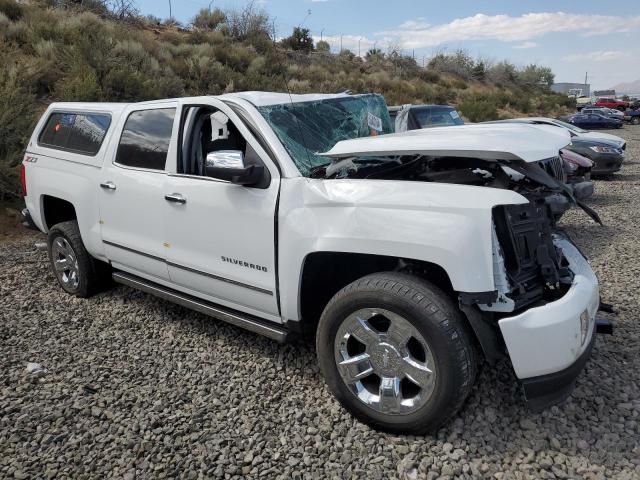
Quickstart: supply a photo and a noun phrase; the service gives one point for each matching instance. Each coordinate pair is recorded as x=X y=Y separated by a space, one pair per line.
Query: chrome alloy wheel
x=65 y=263
x=385 y=361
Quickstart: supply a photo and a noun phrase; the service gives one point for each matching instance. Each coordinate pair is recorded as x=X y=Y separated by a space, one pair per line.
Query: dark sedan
x=607 y=156
x=592 y=121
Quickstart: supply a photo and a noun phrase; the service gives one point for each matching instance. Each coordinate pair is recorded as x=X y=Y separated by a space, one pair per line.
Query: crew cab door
x=132 y=185
x=221 y=235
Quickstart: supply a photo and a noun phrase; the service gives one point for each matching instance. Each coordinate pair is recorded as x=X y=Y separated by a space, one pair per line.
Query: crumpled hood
x=530 y=143
x=599 y=136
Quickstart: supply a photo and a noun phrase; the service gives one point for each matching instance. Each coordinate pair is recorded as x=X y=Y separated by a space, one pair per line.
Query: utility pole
x=273 y=25
x=210 y=3
x=340 y=42
x=359 y=39
x=170 y=14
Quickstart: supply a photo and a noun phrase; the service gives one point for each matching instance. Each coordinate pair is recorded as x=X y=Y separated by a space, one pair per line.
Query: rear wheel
x=635 y=120
x=76 y=271
x=395 y=352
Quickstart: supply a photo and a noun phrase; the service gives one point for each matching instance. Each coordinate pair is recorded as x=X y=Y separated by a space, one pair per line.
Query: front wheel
x=395 y=352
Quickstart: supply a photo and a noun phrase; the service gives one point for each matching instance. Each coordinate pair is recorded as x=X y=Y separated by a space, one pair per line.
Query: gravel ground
x=139 y=388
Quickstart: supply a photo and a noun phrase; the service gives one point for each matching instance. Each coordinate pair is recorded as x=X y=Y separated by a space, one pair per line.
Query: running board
x=243 y=320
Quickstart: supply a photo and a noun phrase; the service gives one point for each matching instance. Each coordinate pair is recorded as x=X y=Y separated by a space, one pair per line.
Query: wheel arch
x=56 y=210
x=325 y=273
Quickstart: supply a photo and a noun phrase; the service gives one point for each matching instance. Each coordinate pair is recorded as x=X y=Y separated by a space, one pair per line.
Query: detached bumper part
x=582 y=190
x=550 y=344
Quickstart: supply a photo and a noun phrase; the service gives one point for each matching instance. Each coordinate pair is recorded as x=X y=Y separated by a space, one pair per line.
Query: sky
x=598 y=37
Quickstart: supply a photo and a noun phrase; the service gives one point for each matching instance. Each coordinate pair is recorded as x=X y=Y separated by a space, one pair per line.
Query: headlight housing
x=603 y=149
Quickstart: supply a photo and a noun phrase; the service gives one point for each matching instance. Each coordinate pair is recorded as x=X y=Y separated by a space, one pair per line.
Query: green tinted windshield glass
x=309 y=128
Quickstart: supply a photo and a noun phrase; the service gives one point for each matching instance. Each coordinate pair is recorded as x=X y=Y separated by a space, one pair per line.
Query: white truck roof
x=259 y=99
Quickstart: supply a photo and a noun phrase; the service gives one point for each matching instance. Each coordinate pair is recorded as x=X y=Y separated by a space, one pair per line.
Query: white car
x=403 y=255
x=572 y=129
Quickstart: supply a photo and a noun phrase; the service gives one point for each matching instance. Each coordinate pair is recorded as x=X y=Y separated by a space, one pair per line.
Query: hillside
x=628 y=87
x=83 y=51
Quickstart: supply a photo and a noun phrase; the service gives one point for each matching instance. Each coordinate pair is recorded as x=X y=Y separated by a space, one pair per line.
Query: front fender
x=445 y=224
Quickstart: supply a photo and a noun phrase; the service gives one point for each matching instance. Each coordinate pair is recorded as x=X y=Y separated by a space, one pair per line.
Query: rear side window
x=81 y=133
x=145 y=139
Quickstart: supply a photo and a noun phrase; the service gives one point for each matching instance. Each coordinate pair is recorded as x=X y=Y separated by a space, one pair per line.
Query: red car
x=612 y=103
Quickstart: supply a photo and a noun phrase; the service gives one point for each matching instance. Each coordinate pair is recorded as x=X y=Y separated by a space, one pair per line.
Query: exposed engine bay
x=528 y=267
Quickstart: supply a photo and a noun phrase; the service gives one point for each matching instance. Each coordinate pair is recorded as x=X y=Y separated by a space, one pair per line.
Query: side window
x=81 y=133
x=201 y=138
x=145 y=139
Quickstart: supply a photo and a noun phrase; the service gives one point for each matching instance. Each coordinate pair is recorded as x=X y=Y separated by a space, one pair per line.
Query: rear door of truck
x=132 y=187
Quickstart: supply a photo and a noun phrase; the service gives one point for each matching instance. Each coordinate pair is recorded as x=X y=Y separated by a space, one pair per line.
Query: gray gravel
x=136 y=387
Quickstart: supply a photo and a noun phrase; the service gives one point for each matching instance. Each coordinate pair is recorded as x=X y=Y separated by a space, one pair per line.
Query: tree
x=249 y=24
x=323 y=46
x=123 y=9
x=374 y=55
x=536 y=75
x=479 y=71
x=209 y=20
x=300 y=39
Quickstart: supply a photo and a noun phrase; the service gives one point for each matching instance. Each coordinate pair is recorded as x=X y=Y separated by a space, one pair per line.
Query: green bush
x=11 y=9
x=478 y=108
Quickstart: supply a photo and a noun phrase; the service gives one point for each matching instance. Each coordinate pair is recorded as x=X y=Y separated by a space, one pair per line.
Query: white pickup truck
x=409 y=257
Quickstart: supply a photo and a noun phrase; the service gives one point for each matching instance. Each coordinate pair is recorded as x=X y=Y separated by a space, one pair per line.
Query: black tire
x=435 y=317
x=92 y=275
x=635 y=120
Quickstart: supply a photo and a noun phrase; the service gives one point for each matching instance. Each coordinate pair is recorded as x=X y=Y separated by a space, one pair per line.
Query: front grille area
x=555 y=167
x=533 y=263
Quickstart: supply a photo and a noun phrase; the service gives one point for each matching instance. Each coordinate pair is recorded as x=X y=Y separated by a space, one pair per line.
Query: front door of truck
x=132 y=185
x=221 y=235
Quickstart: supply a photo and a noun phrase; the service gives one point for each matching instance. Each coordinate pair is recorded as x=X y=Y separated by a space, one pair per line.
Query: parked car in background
x=577 y=169
x=607 y=112
x=612 y=103
x=606 y=156
x=415 y=117
x=632 y=116
x=606 y=151
x=574 y=131
x=593 y=121
x=582 y=102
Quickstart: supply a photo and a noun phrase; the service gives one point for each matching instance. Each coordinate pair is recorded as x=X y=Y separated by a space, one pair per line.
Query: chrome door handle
x=108 y=185
x=175 y=198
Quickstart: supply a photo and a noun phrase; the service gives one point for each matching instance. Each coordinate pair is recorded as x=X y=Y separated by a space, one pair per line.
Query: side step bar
x=243 y=320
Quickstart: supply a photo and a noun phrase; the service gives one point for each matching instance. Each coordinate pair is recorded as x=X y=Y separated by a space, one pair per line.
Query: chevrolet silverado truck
x=408 y=257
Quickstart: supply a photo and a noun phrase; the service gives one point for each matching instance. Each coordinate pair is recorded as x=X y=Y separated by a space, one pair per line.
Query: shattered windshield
x=309 y=128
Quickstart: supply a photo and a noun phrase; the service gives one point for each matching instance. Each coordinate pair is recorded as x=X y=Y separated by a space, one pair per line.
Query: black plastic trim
x=189 y=269
x=138 y=252
x=27 y=220
x=546 y=390
x=249 y=322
